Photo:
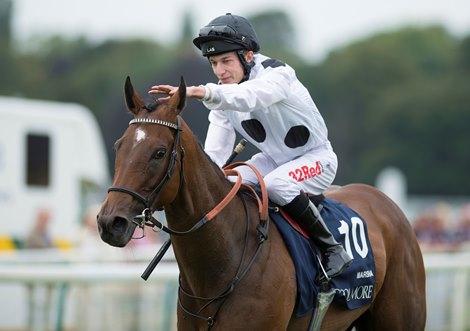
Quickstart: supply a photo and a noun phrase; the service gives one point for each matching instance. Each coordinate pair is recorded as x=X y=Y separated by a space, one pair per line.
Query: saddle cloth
x=355 y=285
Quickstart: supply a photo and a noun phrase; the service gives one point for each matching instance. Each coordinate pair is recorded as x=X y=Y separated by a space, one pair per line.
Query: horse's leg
x=404 y=279
x=341 y=318
x=400 y=302
x=299 y=323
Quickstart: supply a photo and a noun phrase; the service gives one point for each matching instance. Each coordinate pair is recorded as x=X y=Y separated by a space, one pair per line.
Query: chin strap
x=246 y=66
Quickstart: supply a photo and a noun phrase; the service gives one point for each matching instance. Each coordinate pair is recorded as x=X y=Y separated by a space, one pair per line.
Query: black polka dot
x=255 y=130
x=297 y=136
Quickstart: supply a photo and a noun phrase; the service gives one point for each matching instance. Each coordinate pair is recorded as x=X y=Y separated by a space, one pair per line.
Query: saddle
x=354 y=287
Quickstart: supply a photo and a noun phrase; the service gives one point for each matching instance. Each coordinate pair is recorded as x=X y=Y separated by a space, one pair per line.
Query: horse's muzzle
x=115 y=230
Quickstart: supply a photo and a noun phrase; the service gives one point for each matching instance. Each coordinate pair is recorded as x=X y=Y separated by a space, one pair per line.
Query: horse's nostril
x=119 y=225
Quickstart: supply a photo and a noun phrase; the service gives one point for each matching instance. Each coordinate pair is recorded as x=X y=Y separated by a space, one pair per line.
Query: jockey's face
x=228 y=68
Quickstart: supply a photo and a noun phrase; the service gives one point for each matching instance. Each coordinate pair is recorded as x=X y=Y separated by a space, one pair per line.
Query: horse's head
x=147 y=166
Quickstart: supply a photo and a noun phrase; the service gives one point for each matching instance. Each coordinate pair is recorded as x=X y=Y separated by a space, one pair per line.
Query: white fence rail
x=72 y=294
x=51 y=290
x=448 y=291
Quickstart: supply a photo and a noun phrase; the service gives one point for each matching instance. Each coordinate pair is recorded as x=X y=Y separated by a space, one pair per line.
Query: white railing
x=63 y=290
x=448 y=291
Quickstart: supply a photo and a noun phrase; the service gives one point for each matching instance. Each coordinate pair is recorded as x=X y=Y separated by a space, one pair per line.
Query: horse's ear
x=133 y=100
x=182 y=93
x=179 y=99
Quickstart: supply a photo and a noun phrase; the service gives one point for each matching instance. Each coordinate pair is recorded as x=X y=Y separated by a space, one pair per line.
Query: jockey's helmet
x=227 y=33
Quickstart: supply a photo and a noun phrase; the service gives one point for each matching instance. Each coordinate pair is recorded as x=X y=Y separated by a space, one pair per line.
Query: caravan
x=51 y=156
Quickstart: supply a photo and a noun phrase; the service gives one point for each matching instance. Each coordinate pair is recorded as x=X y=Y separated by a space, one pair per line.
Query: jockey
x=262 y=99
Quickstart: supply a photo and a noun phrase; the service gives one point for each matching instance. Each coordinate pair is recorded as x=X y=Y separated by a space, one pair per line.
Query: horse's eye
x=159 y=153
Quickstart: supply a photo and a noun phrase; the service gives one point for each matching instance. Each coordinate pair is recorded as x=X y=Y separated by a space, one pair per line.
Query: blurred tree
x=424 y=132
x=7 y=61
x=6 y=9
x=187 y=30
x=464 y=54
x=276 y=35
x=185 y=47
x=79 y=71
x=391 y=100
x=397 y=98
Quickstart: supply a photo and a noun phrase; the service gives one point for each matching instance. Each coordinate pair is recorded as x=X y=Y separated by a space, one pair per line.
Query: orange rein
x=262 y=203
x=222 y=204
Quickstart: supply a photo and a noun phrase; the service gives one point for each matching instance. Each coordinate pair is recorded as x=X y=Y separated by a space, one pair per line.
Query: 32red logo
x=303 y=173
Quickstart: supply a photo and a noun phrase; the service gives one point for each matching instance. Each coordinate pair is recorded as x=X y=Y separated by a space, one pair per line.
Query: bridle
x=146 y=201
x=146 y=218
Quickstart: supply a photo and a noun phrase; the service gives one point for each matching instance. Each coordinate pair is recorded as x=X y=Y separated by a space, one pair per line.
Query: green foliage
x=276 y=35
x=400 y=98
x=77 y=71
x=464 y=55
x=5 y=21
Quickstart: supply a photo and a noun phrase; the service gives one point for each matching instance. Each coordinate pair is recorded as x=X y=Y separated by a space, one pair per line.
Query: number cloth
x=355 y=285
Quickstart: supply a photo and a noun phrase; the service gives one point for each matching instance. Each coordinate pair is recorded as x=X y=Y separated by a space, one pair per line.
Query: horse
x=235 y=272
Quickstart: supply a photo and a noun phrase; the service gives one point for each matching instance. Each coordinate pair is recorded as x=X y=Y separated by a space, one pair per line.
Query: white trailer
x=51 y=156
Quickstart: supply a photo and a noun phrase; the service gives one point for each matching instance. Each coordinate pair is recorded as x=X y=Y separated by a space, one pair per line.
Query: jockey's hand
x=197 y=92
x=168 y=90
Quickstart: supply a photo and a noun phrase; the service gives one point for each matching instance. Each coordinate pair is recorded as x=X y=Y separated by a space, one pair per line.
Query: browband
x=154 y=121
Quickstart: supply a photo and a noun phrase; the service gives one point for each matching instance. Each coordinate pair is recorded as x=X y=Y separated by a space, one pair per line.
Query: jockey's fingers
x=162 y=89
x=158 y=91
x=164 y=99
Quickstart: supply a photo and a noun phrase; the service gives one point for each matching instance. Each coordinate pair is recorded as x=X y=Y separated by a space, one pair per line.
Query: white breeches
x=312 y=172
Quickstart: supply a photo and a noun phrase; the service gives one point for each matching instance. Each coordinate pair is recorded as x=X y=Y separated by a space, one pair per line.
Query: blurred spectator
x=462 y=230
x=89 y=240
x=39 y=236
x=92 y=247
x=89 y=232
x=432 y=228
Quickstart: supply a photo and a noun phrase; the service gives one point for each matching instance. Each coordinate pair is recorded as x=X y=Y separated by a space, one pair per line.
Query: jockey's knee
x=280 y=190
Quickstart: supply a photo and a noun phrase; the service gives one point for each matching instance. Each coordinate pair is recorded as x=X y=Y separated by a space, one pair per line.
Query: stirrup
x=346 y=260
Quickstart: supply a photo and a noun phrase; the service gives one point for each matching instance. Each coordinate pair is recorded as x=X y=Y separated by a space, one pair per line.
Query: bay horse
x=230 y=279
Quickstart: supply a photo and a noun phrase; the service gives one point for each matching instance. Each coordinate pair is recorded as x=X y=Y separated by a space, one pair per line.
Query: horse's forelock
x=150 y=107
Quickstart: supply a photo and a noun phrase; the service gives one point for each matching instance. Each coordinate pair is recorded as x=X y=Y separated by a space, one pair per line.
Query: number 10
x=357 y=224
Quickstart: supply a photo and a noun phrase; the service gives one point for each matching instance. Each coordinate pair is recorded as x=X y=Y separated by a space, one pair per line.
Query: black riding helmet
x=228 y=33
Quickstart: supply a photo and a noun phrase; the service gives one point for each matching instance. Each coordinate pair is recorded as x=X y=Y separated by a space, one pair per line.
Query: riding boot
x=336 y=259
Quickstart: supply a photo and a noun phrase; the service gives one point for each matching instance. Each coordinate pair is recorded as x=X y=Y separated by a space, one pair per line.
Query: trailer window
x=37 y=160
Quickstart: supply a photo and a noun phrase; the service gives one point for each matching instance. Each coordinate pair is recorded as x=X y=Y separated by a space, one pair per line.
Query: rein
x=147 y=219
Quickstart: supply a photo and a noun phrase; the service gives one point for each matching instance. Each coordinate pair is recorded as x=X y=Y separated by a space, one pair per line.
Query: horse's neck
x=201 y=192
x=216 y=247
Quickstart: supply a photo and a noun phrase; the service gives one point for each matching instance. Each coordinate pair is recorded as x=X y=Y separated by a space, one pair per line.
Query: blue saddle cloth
x=355 y=286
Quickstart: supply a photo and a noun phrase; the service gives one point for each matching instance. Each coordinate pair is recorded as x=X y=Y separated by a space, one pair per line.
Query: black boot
x=336 y=259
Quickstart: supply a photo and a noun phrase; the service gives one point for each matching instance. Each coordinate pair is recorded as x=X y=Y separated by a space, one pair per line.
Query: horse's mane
x=201 y=146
